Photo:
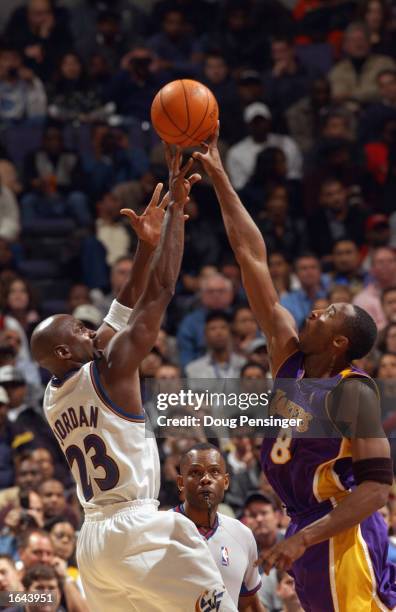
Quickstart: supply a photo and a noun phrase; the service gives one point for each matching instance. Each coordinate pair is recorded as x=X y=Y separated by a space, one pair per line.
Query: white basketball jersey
x=110 y=456
x=234 y=551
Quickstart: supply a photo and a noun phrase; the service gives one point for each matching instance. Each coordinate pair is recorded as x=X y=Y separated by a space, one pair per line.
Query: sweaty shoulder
x=354 y=408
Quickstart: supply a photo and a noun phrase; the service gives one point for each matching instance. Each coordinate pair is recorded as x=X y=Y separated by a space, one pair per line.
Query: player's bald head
x=48 y=335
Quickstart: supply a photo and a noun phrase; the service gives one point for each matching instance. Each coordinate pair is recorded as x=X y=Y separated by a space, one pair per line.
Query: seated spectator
x=387 y=339
x=14 y=341
x=27 y=478
x=52 y=493
x=286 y=592
x=288 y=81
x=45 y=462
x=176 y=49
x=42 y=579
x=54 y=176
x=257 y=352
x=41 y=32
x=22 y=93
x=244 y=328
x=133 y=88
x=340 y=293
x=107 y=39
x=78 y=296
x=281 y=273
x=304 y=116
x=166 y=345
x=383 y=272
x=64 y=538
x=71 y=96
x=113 y=161
x=354 y=78
x=388 y=302
x=89 y=315
x=9 y=214
x=375 y=115
x=281 y=231
x=216 y=76
x=110 y=230
x=216 y=293
x=201 y=240
x=313 y=286
x=27 y=514
x=18 y=302
x=378 y=154
x=119 y=274
x=336 y=219
x=220 y=361
x=346 y=266
x=9 y=176
x=377 y=234
x=241 y=158
x=376 y=15
x=9 y=579
x=29 y=427
x=6 y=437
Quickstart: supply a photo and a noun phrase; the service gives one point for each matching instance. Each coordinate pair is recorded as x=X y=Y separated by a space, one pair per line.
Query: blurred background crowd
x=307 y=97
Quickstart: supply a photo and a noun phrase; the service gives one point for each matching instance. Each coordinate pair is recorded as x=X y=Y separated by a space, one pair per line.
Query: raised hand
x=179 y=185
x=210 y=158
x=148 y=225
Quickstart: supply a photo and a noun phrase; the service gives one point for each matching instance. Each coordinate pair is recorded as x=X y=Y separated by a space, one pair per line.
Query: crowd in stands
x=307 y=97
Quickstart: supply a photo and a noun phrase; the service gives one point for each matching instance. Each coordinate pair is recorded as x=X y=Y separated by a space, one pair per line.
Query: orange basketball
x=184 y=112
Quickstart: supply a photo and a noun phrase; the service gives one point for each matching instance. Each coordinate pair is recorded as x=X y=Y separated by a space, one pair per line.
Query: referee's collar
x=207 y=534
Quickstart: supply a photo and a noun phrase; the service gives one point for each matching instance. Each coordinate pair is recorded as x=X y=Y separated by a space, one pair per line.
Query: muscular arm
x=251 y=604
x=359 y=410
x=250 y=251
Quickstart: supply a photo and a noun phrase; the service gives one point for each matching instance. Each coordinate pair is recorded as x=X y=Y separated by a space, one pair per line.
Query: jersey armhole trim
x=245 y=593
x=137 y=418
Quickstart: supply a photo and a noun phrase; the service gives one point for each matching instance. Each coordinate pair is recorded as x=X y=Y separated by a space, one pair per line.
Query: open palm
x=148 y=225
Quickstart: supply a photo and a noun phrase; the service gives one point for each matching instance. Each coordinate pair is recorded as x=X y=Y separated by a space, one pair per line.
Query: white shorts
x=133 y=557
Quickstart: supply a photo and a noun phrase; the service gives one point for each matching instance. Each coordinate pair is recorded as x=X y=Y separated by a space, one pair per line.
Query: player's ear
x=62 y=351
x=341 y=343
x=180 y=483
x=226 y=482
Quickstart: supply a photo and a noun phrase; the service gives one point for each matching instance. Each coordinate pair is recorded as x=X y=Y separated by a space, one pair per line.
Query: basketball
x=184 y=113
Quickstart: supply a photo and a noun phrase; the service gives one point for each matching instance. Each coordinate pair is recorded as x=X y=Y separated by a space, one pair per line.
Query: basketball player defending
x=130 y=556
x=336 y=543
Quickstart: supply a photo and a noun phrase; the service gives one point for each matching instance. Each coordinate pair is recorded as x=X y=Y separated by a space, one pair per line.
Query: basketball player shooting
x=130 y=556
x=336 y=544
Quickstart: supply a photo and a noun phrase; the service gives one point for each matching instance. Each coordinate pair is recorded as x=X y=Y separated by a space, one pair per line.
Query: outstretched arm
x=128 y=347
x=251 y=253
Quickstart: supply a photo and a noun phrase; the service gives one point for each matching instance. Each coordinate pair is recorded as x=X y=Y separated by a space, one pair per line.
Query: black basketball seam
x=186 y=103
x=168 y=115
x=204 y=115
x=182 y=132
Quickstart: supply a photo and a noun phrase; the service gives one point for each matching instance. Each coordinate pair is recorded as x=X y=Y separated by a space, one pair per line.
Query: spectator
x=175 y=47
x=119 y=274
x=89 y=315
x=71 y=96
x=281 y=274
x=42 y=33
x=9 y=579
x=304 y=116
x=9 y=214
x=22 y=93
x=281 y=231
x=216 y=293
x=375 y=115
x=201 y=240
x=241 y=158
x=45 y=462
x=340 y=293
x=220 y=361
x=377 y=234
x=288 y=81
x=346 y=266
x=113 y=161
x=244 y=328
x=64 y=538
x=378 y=158
x=42 y=579
x=54 y=176
x=133 y=88
x=9 y=177
x=18 y=302
x=78 y=296
x=28 y=514
x=376 y=15
x=6 y=462
x=14 y=340
x=313 y=286
x=387 y=339
x=388 y=302
x=257 y=352
x=107 y=40
x=336 y=219
x=383 y=272
x=110 y=231
x=354 y=78
x=286 y=592
x=34 y=546
x=27 y=477
x=52 y=493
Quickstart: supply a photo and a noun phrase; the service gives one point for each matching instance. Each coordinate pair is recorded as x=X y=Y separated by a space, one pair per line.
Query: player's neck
x=323 y=366
x=201 y=518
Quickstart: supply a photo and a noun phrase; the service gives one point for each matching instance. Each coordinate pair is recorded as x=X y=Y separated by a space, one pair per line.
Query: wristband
x=118 y=316
x=379 y=469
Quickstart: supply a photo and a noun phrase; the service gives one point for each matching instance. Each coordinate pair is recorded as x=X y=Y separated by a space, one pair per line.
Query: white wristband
x=118 y=315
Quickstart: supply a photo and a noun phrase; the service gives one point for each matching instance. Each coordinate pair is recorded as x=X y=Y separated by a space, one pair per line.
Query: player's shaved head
x=61 y=343
x=192 y=454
